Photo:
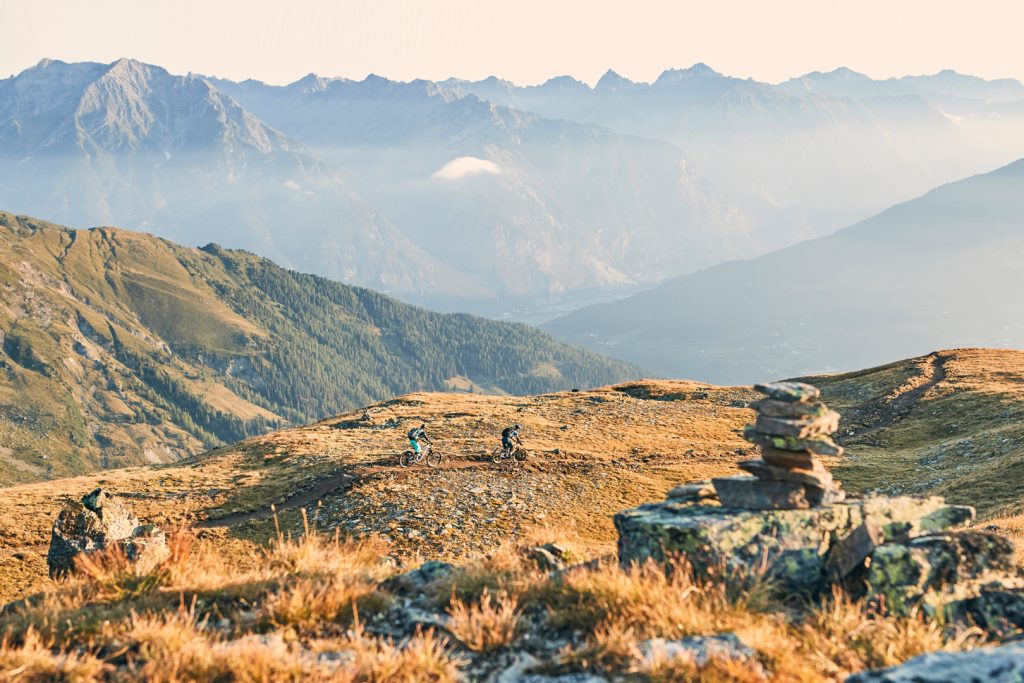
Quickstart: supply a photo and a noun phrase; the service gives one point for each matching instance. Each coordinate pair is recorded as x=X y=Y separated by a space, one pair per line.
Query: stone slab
x=751 y=493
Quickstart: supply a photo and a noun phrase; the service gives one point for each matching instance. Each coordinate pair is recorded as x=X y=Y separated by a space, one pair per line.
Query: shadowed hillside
x=935 y=272
x=119 y=348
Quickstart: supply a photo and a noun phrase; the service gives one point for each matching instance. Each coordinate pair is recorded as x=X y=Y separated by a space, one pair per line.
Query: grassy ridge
x=119 y=348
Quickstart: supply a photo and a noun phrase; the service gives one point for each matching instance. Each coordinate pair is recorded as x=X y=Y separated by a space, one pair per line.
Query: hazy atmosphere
x=512 y=342
x=526 y=42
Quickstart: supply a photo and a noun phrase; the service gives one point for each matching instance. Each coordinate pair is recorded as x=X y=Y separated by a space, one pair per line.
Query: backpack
x=414 y=432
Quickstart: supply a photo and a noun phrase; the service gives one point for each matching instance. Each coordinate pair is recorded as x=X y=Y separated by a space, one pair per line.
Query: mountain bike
x=516 y=453
x=428 y=454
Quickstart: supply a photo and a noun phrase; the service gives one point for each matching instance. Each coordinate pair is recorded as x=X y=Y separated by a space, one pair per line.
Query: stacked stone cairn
x=793 y=426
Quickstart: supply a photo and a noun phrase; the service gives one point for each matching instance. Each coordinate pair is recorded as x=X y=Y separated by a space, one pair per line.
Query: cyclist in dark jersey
x=508 y=435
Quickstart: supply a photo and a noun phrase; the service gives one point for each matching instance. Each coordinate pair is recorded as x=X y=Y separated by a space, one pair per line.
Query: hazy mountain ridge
x=829 y=148
x=119 y=348
x=363 y=195
x=930 y=273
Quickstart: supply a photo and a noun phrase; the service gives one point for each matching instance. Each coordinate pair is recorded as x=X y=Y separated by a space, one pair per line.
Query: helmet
x=423 y=426
x=516 y=426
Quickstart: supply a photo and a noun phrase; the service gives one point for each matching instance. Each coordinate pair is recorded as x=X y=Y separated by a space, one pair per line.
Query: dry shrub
x=645 y=598
x=310 y=603
x=844 y=635
x=420 y=659
x=315 y=555
x=504 y=571
x=33 y=661
x=487 y=625
x=112 y=576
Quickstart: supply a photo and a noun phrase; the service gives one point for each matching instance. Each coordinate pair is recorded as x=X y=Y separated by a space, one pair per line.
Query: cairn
x=792 y=427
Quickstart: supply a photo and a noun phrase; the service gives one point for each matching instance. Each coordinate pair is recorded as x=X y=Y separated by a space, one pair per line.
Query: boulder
x=940 y=570
x=98 y=522
x=697 y=650
x=792 y=545
x=417 y=580
x=549 y=557
x=1001 y=664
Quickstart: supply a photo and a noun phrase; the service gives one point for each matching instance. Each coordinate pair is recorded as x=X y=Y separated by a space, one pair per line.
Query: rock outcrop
x=1002 y=664
x=98 y=522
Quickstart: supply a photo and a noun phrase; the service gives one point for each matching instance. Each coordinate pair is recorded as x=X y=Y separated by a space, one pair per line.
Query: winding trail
x=897 y=408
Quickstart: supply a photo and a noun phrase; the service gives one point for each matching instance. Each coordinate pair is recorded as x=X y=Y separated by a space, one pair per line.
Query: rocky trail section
x=904 y=399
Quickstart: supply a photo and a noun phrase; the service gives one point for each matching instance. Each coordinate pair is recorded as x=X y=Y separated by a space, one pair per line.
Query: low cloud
x=466 y=166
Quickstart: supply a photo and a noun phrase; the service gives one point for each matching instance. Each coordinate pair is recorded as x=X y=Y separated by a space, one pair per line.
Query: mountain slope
x=120 y=348
x=942 y=270
x=533 y=209
x=956 y=433
x=131 y=144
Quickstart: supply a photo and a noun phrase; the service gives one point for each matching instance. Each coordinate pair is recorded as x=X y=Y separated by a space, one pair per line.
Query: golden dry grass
x=202 y=621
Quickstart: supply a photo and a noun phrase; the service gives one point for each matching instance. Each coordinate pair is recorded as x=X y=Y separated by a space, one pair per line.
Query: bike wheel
x=521 y=454
x=498 y=455
x=433 y=458
x=406 y=458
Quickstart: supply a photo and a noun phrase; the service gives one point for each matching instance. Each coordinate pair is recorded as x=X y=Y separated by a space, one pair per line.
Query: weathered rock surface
x=816 y=475
x=696 y=650
x=798 y=428
x=1002 y=664
x=98 y=522
x=794 y=545
x=692 y=491
x=787 y=409
x=750 y=493
x=790 y=392
x=821 y=445
x=940 y=569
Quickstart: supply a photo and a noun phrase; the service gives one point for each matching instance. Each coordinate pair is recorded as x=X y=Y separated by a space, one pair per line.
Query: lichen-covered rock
x=1002 y=664
x=97 y=522
x=792 y=545
x=997 y=609
x=417 y=580
x=939 y=569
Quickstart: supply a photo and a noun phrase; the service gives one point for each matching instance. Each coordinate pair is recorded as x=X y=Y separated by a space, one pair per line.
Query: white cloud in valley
x=461 y=167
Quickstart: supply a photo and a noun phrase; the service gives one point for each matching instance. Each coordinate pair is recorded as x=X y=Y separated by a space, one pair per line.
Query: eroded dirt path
x=904 y=401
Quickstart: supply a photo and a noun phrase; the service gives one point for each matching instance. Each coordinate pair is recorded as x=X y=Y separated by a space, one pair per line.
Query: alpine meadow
x=553 y=342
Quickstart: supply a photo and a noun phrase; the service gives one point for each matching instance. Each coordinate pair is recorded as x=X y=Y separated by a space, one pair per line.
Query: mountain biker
x=507 y=435
x=416 y=435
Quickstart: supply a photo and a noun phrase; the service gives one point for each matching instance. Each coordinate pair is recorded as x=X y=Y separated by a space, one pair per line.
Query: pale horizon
x=280 y=43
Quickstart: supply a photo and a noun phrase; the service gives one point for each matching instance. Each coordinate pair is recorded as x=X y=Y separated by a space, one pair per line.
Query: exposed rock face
x=795 y=545
x=1002 y=664
x=98 y=522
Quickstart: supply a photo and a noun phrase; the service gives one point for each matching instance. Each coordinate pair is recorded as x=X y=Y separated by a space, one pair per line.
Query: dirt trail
x=897 y=408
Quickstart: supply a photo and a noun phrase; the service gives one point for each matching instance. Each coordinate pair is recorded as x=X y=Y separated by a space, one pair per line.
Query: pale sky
x=526 y=41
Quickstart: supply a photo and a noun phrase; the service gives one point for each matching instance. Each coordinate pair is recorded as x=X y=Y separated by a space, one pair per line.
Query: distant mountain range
x=118 y=348
x=484 y=195
x=942 y=270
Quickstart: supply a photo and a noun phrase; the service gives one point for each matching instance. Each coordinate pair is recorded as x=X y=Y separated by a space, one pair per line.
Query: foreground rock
x=99 y=522
x=1003 y=664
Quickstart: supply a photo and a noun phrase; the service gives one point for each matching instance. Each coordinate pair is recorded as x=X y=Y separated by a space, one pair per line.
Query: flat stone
x=791 y=392
x=697 y=490
x=801 y=460
x=849 y=553
x=815 y=476
x=1000 y=664
x=821 y=445
x=750 y=493
x=800 y=428
x=773 y=408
